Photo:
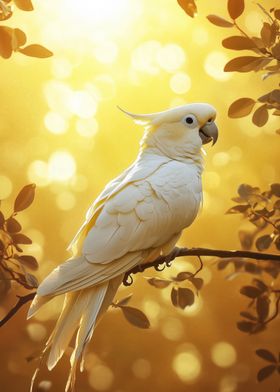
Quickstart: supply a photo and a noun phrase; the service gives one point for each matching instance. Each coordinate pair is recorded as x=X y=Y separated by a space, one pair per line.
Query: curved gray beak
x=209 y=132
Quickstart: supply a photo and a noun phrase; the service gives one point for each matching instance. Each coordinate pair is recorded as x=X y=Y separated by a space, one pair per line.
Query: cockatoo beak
x=209 y=132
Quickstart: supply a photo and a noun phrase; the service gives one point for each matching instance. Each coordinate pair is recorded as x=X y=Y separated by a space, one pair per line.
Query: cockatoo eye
x=191 y=121
x=210 y=120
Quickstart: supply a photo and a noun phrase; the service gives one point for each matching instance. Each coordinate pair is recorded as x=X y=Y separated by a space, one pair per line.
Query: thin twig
x=275 y=314
x=21 y=301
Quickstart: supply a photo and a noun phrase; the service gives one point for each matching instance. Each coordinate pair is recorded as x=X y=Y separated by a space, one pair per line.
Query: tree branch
x=179 y=252
x=166 y=261
x=21 y=301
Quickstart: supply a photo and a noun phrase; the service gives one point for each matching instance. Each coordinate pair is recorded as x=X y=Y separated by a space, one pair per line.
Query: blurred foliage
x=13 y=40
x=13 y=263
x=267 y=48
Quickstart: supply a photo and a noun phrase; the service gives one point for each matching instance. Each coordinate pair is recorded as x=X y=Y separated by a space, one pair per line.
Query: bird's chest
x=179 y=192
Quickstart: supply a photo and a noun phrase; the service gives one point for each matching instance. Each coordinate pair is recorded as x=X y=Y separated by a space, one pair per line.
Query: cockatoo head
x=179 y=131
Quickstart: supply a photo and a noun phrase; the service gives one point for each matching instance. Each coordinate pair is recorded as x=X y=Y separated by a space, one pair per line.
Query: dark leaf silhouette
x=262 y=307
x=197 y=282
x=260 y=116
x=13 y=225
x=185 y=297
x=31 y=280
x=266 y=34
x=24 y=198
x=174 y=296
x=2 y=220
x=263 y=242
x=183 y=275
x=241 y=107
x=246 y=326
x=239 y=43
x=36 y=50
x=188 y=6
x=250 y=291
x=275 y=189
x=235 y=8
x=266 y=372
x=19 y=38
x=238 y=209
x=6 y=48
x=249 y=316
x=266 y=355
x=244 y=64
x=24 y=5
x=124 y=300
x=159 y=283
x=277 y=14
x=28 y=261
x=136 y=317
x=20 y=238
x=245 y=239
x=219 y=21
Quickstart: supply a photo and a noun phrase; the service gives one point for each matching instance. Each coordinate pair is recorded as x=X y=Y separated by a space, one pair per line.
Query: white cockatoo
x=139 y=216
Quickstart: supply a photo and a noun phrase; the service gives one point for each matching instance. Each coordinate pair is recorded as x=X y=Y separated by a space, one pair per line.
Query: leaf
x=159 y=283
x=266 y=34
x=24 y=198
x=185 y=297
x=241 y=107
x=6 y=48
x=124 y=300
x=252 y=268
x=277 y=14
x=238 y=42
x=223 y=264
x=246 y=190
x=266 y=355
x=275 y=189
x=246 y=326
x=246 y=239
x=24 y=5
x=250 y=291
x=263 y=242
x=13 y=226
x=181 y=276
x=235 y=8
x=28 y=261
x=31 y=280
x=244 y=64
x=189 y=7
x=135 y=317
x=19 y=38
x=239 y=209
x=260 y=284
x=248 y=315
x=276 y=51
x=20 y=238
x=197 y=282
x=219 y=21
x=36 y=50
x=262 y=307
x=265 y=372
x=2 y=220
x=174 y=296
x=260 y=116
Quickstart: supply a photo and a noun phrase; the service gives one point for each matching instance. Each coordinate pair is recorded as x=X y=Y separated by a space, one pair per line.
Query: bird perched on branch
x=139 y=216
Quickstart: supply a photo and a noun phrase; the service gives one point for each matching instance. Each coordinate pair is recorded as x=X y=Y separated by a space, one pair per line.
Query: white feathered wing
x=142 y=211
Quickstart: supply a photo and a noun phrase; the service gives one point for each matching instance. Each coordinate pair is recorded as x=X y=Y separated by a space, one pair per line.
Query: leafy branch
x=13 y=40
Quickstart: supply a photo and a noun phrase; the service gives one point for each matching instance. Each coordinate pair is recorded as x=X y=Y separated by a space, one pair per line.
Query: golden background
x=60 y=128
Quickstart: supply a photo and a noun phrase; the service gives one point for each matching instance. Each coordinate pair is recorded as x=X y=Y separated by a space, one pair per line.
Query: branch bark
x=165 y=261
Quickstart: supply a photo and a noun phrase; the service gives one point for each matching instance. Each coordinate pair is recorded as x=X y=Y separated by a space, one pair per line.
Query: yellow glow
x=180 y=83
x=61 y=68
x=36 y=331
x=65 y=201
x=38 y=173
x=6 y=187
x=55 y=123
x=144 y=57
x=172 y=328
x=221 y=159
x=171 y=57
x=212 y=180
x=228 y=384
x=200 y=35
x=223 y=354
x=61 y=166
x=214 y=65
x=141 y=368
x=106 y=51
x=82 y=104
x=187 y=366
x=254 y=21
x=101 y=377
x=87 y=127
